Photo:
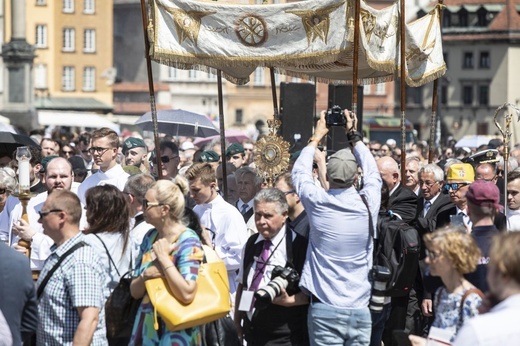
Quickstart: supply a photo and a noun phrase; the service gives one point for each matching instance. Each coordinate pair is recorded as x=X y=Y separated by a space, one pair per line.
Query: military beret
x=45 y=162
x=209 y=156
x=133 y=142
x=234 y=149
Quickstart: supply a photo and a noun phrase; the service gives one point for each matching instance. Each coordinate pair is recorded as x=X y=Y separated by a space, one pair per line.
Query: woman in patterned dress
x=170 y=250
x=451 y=253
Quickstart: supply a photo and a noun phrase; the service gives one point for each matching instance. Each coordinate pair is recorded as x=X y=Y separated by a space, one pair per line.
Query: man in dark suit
x=403 y=201
x=18 y=302
x=432 y=202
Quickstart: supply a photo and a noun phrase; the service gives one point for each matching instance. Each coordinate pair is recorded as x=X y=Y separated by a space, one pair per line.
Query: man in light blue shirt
x=339 y=256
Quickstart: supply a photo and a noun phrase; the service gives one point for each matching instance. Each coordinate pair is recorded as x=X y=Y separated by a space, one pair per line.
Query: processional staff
x=506 y=136
x=23 y=155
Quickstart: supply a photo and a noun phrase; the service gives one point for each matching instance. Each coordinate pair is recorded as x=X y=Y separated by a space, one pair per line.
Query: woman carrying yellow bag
x=172 y=251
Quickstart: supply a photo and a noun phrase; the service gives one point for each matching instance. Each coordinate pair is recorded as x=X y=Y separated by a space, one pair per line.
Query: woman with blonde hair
x=450 y=254
x=172 y=251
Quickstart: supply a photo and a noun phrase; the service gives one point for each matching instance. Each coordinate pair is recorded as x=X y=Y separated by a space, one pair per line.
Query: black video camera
x=335 y=117
x=282 y=277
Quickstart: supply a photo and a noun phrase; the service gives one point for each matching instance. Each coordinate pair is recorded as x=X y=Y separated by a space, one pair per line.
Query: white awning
x=75 y=119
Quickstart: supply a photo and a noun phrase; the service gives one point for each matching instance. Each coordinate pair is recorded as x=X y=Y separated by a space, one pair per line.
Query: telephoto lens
x=378 y=296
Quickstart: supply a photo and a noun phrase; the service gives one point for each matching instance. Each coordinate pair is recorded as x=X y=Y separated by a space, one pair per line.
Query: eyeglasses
x=427 y=183
x=47 y=212
x=288 y=192
x=432 y=255
x=164 y=159
x=98 y=150
x=147 y=204
x=453 y=186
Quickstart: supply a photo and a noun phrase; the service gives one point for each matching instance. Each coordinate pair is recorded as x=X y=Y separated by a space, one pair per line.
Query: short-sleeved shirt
x=78 y=282
x=187 y=256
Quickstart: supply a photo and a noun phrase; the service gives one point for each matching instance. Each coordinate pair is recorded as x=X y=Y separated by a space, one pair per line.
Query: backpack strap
x=370 y=221
x=56 y=266
x=108 y=254
x=463 y=299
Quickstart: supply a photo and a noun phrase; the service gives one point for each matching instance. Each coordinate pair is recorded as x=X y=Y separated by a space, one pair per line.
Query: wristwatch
x=313 y=139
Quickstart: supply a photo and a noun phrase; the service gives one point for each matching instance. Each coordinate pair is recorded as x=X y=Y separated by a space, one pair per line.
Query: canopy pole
x=222 y=134
x=273 y=91
x=151 y=91
x=433 y=120
x=357 y=10
x=403 y=91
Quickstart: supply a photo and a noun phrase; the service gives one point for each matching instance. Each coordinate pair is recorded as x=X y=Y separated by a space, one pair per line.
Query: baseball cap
x=463 y=172
x=484 y=193
x=209 y=156
x=187 y=146
x=133 y=142
x=234 y=148
x=342 y=167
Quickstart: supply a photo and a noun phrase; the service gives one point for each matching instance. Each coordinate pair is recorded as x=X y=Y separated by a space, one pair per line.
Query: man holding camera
x=339 y=256
x=270 y=309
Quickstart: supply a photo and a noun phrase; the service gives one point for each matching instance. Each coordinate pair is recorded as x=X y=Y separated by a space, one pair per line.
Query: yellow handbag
x=212 y=299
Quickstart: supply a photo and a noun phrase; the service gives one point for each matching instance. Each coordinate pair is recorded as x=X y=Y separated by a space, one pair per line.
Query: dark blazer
x=443 y=219
x=404 y=202
x=248 y=213
x=429 y=222
x=17 y=294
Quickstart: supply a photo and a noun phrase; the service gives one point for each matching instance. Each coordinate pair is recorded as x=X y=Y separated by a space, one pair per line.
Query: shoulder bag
x=120 y=307
x=211 y=302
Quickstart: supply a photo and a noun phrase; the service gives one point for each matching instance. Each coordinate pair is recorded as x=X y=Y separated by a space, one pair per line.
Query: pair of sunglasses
x=453 y=186
x=164 y=159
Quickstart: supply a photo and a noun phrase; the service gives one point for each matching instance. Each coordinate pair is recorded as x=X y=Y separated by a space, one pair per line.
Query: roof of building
x=72 y=103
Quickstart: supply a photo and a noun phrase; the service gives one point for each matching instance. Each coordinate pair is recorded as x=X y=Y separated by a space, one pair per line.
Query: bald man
x=403 y=201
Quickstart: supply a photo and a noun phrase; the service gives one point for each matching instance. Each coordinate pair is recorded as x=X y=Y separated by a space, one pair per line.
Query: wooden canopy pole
x=433 y=120
x=151 y=91
x=357 y=10
x=276 y=111
x=222 y=133
x=403 y=91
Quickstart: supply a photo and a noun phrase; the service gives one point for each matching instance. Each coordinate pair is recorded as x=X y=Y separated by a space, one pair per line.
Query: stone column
x=18 y=58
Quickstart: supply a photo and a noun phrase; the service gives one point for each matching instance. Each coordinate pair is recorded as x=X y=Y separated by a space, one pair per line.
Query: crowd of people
x=300 y=255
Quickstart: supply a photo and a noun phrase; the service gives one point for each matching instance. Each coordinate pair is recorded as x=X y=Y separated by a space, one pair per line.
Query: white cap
x=187 y=146
x=391 y=142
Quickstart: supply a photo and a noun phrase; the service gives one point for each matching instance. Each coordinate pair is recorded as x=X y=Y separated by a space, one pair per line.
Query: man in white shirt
x=104 y=148
x=224 y=222
x=513 y=201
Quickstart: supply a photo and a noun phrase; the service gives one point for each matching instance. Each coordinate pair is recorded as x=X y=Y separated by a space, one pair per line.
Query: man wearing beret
x=135 y=152
x=210 y=157
x=235 y=154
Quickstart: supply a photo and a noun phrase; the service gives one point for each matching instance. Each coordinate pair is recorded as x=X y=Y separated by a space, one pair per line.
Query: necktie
x=427 y=205
x=244 y=208
x=261 y=264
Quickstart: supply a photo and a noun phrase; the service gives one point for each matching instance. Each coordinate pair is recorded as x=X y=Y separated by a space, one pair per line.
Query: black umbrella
x=178 y=122
x=10 y=141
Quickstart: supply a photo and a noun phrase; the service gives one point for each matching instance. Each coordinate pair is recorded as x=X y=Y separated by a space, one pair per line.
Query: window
x=68 y=6
x=89 y=6
x=414 y=96
x=41 y=2
x=482 y=17
x=239 y=116
x=366 y=89
x=467 y=95
x=468 y=60
x=192 y=74
x=41 y=36
x=482 y=129
x=446 y=19
x=483 y=95
x=380 y=89
x=67 y=78
x=444 y=95
x=89 y=79
x=259 y=76
x=40 y=76
x=463 y=18
x=172 y=73
x=485 y=60
x=445 y=57
x=89 y=41
x=68 y=39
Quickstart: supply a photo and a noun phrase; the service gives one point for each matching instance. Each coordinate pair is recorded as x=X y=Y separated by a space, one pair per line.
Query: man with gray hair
x=135 y=188
x=248 y=184
x=339 y=256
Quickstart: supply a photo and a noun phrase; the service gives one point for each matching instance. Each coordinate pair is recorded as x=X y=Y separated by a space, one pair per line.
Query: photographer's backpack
x=397 y=248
